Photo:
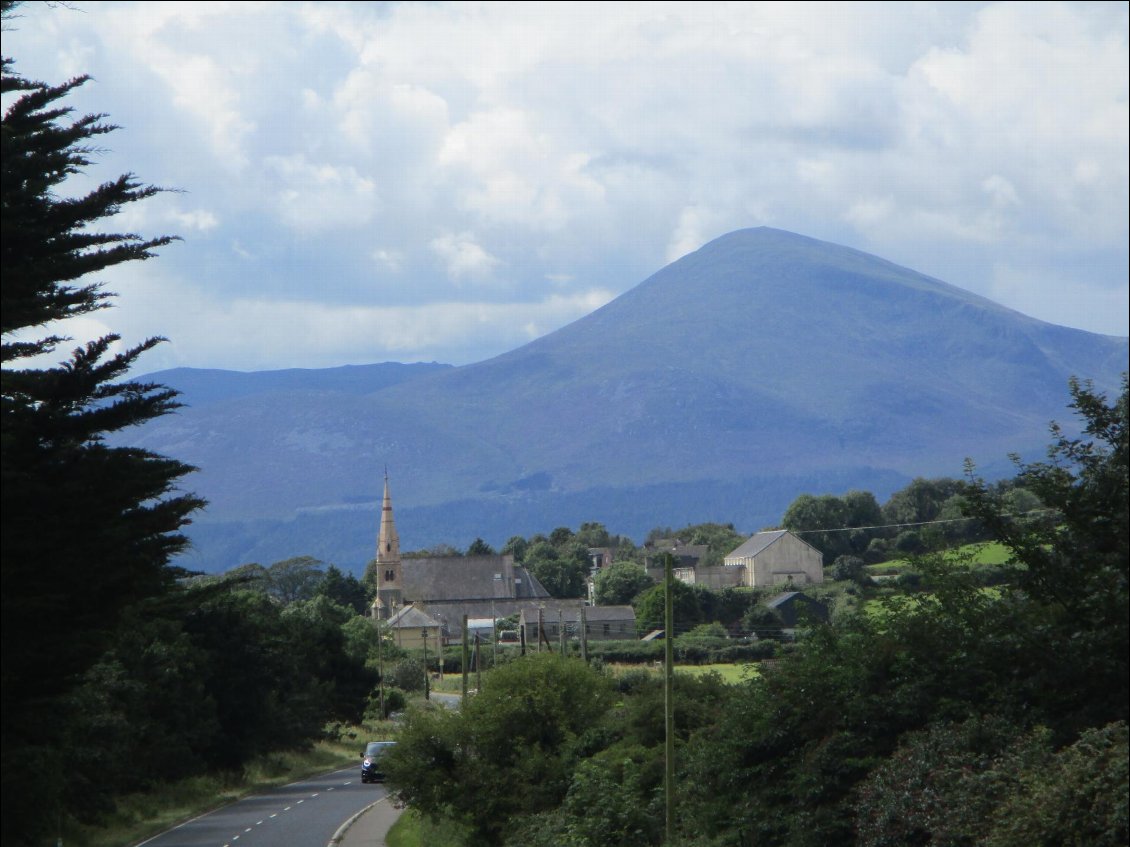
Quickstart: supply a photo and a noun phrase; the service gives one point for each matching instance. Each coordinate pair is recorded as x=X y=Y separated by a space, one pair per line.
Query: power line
x=920 y=523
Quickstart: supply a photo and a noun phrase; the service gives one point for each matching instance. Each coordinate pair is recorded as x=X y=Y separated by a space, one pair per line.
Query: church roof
x=449 y=578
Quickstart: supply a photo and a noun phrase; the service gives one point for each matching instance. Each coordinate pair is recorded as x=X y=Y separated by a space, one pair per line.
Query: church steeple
x=388 y=542
x=390 y=594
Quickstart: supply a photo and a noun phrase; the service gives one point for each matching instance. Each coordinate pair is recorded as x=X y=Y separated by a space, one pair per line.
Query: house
x=599 y=623
x=601 y=557
x=766 y=559
x=413 y=628
x=773 y=558
x=685 y=558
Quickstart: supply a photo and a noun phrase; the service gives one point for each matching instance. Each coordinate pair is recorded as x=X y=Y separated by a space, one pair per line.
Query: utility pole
x=464 y=662
x=427 y=681
x=478 y=666
x=584 y=635
x=381 y=665
x=668 y=698
x=493 y=636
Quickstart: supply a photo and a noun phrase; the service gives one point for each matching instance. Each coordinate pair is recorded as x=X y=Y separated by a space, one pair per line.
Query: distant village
x=427 y=600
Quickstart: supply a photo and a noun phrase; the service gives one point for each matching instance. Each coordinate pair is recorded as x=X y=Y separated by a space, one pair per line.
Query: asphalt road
x=302 y=814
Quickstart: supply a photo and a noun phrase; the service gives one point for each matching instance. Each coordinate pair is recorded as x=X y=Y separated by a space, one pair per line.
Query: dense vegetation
x=118 y=673
x=88 y=529
x=957 y=715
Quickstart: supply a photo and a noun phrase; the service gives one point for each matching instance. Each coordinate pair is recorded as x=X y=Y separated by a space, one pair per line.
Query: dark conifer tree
x=88 y=528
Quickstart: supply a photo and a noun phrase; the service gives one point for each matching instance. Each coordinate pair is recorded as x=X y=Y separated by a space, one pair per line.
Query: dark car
x=371 y=761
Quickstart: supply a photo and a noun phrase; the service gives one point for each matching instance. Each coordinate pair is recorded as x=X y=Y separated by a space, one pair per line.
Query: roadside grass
x=414 y=830
x=137 y=817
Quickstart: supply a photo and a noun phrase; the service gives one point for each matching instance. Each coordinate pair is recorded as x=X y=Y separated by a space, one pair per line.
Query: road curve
x=303 y=814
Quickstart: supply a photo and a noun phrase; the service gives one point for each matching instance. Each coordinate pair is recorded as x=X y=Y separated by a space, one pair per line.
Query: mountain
x=762 y=366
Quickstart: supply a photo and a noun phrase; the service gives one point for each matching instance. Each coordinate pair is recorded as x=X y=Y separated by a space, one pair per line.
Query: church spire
x=390 y=586
x=388 y=542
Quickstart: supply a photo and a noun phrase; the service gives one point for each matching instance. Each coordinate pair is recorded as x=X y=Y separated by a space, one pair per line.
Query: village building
x=549 y=622
x=685 y=558
x=412 y=628
x=776 y=558
x=446 y=588
x=766 y=559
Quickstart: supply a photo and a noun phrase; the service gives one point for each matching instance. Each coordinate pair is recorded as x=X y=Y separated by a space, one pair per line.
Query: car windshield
x=375 y=748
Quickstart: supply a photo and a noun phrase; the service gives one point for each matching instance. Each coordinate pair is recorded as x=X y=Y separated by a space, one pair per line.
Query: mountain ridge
x=764 y=355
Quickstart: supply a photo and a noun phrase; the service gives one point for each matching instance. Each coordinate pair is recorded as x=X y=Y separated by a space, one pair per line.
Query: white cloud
x=463 y=258
x=391 y=259
x=199 y=220
x=172 y=41
x=273 y=333
x=696 y=226
x=313 y=197
x=432 y=156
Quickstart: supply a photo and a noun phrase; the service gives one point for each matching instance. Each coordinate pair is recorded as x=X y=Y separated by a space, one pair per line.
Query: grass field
x=982 y=554
x=732 y=674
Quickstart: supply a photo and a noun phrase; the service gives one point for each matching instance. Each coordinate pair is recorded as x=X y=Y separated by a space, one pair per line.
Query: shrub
x=407 y=675
x=395 y=701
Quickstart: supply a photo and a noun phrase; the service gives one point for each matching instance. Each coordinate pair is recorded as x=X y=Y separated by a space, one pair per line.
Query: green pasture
x=990 y=553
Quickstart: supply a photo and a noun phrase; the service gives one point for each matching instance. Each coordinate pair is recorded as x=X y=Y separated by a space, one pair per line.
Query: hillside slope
x=762 y=362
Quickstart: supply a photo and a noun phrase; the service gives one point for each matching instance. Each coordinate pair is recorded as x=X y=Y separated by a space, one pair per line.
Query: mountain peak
x=763 y=365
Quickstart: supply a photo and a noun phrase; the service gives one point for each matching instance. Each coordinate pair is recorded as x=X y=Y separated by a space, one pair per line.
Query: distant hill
x=762 y=366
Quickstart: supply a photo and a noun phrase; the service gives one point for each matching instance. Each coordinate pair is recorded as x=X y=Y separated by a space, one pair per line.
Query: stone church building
x=448 y=587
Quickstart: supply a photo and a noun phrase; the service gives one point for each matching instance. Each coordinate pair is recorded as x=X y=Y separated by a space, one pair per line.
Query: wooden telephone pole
x=669 y=700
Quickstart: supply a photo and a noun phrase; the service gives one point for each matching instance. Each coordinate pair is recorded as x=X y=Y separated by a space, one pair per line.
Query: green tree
x=480 y=548
x=562 y=571
x=650 y=607
x=847 y=567
x=1079 y=798
x=88 y=529
x=516 y=546
x=1075 y=562
x=294 y=579
x=340 y=676
x=920 y=501
x=620 y=582
x=809 y=513
x=344 y=589
x=594 y=534
x=508 y=753
x=837 y=526
x=561 y=536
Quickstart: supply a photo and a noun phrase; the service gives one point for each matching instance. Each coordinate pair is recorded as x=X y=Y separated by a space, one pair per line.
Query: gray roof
x=781 y=599
x=756 y=543
x=450 y=578
x=410 y=616
x=570 y=612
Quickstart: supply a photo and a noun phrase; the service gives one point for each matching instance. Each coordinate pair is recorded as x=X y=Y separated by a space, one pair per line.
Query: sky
x=367 y=182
